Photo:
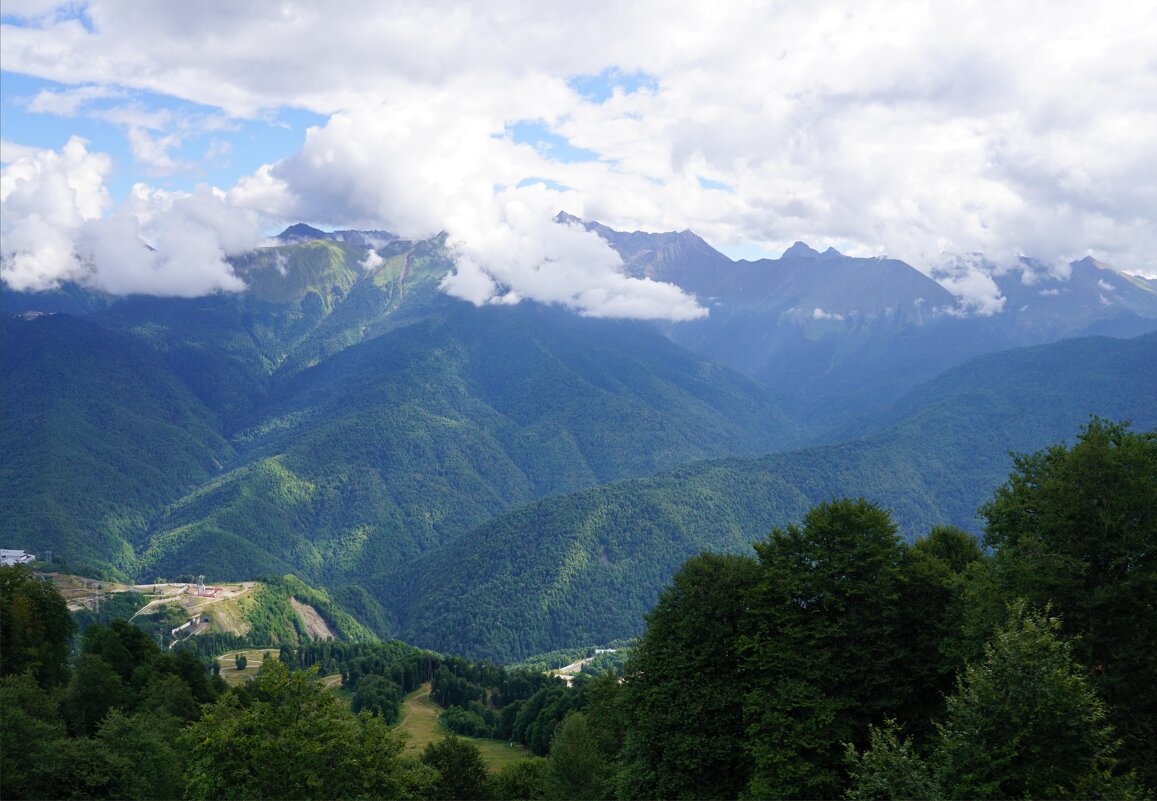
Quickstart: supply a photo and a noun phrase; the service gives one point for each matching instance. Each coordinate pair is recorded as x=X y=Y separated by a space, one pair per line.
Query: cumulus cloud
x=525 y=254
x=55 y=228
x=970 y=278
x=422 y=169
x=371 y=262
x=820 y=314
x=874 y=128
x=155 y=151
x=46 y=197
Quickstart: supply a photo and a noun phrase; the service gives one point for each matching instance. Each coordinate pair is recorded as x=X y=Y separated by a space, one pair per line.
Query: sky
x=142 y=143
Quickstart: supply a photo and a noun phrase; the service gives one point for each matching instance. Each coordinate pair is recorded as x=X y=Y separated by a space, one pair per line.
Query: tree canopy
x=1076 y=527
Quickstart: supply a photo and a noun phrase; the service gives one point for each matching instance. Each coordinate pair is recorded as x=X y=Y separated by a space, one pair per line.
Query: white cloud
x=421 y=169
x=69 y=102
x=524 y=254
x=969 y=278
x=371 y=262
x=55 y=228
x=45 y=199
x=13 y=151
x=908 y=129
x=154 y=151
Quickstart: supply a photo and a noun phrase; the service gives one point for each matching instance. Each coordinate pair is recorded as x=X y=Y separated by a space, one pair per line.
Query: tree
x=30 y=729
x=576 y=768
x=461 y=771
x=520 y=781
x=825 y=645
x=684 y=688
x=130 y=757
x=94 y=689
x=939 y=575
x=1025 y=722
x=1077 y=528
x=168 y=694
x=35 y=627
x=122 y=646
x=284 y=735
x=241 y=661
x=890 y=768
x=379 y=696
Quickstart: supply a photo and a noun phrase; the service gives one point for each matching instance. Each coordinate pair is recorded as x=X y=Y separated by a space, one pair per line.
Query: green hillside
x=304 y=303
x=345 y=421
x=402 y=443
x=585 y=567
x=97 y=436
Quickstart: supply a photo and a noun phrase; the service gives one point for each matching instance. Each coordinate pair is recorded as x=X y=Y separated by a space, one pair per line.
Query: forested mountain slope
x=585 y=567
x=343 y=417
x=97 y=435
x=403 y=442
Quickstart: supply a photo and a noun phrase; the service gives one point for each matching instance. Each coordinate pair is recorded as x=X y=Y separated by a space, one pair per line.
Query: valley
x=361 y=430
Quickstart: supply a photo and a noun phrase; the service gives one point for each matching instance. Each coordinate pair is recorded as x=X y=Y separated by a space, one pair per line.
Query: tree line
x=837 y=661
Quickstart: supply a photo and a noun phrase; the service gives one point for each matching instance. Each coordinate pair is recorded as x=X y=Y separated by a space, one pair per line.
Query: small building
x=9 y=558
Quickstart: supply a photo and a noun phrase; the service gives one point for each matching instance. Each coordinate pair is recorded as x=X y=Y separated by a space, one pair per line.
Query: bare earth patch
x=315 y=625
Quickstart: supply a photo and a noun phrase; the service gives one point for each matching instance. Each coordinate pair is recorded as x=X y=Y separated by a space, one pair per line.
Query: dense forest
x=839 y=660
x=381 y=441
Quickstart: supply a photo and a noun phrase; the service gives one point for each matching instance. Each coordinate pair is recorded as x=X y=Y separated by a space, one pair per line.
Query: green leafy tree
x=1025 y=722
x=30 y=730
x=889 y=768
x=461 y=771
x=123 y=646
x=93 y=690
x=379 y=696
x=35 y=627
x=938 y=576
x=520 y=781
x=1077 y=528
x=826 y=646
x=168 y=694
x=129 y=757
x=685 y=689
x=286 y=736
x=576 y=768
x=241 y=661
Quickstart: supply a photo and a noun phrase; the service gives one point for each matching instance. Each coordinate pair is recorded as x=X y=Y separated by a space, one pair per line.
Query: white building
x=8 y=557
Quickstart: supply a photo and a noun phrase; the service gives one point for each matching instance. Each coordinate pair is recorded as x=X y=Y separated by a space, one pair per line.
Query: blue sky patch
x=76 y=11
x=707 y=183
x=599 y=88
x=549 y=184
x=551 y=145
x=202 y=143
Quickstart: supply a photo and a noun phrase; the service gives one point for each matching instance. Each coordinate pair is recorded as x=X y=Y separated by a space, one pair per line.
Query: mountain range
x=502 y=481
x=834 y=336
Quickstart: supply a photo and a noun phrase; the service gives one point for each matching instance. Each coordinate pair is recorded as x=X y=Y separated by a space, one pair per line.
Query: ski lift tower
x=200 y=585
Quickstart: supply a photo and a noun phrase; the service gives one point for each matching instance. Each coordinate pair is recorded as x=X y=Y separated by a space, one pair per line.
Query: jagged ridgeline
x=503 y=481
x=108 y=419
x=350 y=416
